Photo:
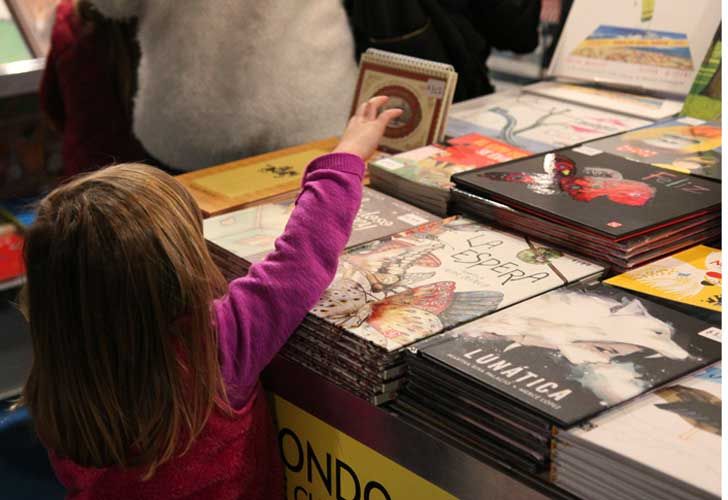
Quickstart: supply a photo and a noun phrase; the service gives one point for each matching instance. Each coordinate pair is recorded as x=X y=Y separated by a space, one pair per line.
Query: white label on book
x=412 y=219
x=712 y=333
x=387 y=163
x=689 y=120
x=587 y=150
x=436 y=88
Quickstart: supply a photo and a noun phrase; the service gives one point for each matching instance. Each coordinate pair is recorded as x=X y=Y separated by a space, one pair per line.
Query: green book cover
x=704 y=99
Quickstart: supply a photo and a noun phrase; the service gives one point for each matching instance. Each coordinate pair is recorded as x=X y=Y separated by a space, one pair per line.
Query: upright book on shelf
x=704 y=99
x=686 y=145
x=422 y=89
x=614 y=43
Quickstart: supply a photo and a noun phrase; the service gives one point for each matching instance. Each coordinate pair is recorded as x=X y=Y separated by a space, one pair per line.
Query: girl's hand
x=365 y=129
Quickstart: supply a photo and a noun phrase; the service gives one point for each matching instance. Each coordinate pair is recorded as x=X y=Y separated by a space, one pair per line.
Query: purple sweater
x=262 y=309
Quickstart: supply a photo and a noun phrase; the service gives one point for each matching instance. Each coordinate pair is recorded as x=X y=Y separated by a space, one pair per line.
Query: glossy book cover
x=434 y=165
x=686 y=145
x=397 y=290
x=536 y=123
x=572 y=353
x=251 y=233
x=692 y=277
x=598 y=191
x=675 y=431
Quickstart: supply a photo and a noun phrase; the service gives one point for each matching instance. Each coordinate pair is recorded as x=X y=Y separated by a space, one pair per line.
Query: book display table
x=334 y=443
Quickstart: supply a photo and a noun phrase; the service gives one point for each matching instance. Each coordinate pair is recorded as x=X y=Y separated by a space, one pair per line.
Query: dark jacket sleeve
x=508 y=24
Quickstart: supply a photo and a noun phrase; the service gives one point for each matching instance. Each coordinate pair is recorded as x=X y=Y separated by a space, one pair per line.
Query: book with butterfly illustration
x=422 y=89
x=575 y=352
x=397 y=290
x=597 y=192
x=690 y=277
x=422 y=176
x=664 y=445
x=686 y=145
x=260 y=179
x=250 y=233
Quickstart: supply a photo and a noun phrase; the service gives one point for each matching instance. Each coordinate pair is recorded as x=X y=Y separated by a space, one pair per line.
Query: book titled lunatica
x=574 y=352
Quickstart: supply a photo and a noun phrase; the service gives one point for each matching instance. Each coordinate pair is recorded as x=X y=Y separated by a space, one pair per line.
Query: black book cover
x=597 y=191
x=572 y=353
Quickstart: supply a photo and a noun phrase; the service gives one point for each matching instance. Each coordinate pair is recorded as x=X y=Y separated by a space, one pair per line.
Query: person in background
x=145 y=370
x=457 y=32
x=230 y=79
x=87 y=88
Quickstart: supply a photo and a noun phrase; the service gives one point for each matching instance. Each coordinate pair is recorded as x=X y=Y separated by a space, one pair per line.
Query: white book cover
x=400 y=289
x=535 y=123
x=641 y=106
x=250 y=233
x=676 y=430
x=655 y=45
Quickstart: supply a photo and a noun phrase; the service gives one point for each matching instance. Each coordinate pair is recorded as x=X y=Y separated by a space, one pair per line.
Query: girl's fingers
x=374 y=104
x=362 y=109
x=388 y=115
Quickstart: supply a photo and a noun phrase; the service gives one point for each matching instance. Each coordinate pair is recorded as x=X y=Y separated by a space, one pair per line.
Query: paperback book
x=693 y=277
x=664 y=445
x=536 y=123
x=686 y=145
x=704 y=99
x=250 y=233
x=422 y=176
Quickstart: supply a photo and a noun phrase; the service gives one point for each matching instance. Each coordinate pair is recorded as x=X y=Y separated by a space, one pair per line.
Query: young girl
x=145 y=374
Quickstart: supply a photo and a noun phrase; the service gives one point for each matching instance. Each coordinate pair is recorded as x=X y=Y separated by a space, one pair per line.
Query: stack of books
x=690 y=281
x=422 y=176
x=665 y=445
x=394 y=291
x=500 y=387
x=237 y=240
x=616 y=211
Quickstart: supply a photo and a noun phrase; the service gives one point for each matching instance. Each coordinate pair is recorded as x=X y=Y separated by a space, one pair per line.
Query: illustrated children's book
x=397 y=290
x=422 y=89
x=574 y=352
x=536 y=123
x=686 y=145
x=595 y=191
x=251 y=233
x=691 y=277
x=666 y=444
x=619 y=43
x=259 y=179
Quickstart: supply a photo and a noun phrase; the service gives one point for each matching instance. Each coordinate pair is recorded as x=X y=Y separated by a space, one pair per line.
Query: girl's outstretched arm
x=262 y=309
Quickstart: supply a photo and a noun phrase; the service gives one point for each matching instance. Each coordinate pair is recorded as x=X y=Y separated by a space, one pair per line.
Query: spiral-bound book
x=422 y=89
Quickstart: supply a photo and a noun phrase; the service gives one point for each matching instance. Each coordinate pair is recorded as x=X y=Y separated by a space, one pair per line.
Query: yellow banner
x=322 y=462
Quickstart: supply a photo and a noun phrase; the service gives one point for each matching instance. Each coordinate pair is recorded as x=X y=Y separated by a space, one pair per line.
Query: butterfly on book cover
x=561 y=175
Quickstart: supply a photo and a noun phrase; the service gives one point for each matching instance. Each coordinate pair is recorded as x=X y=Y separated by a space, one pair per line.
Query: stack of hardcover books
x=500 y=387
x=237 y=240
x=614 y=210
x=397 y=290
x=664 y=445
x=422 y=176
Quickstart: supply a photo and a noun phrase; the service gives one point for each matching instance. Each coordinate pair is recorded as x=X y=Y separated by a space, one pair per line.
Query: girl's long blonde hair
x=120 y=284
